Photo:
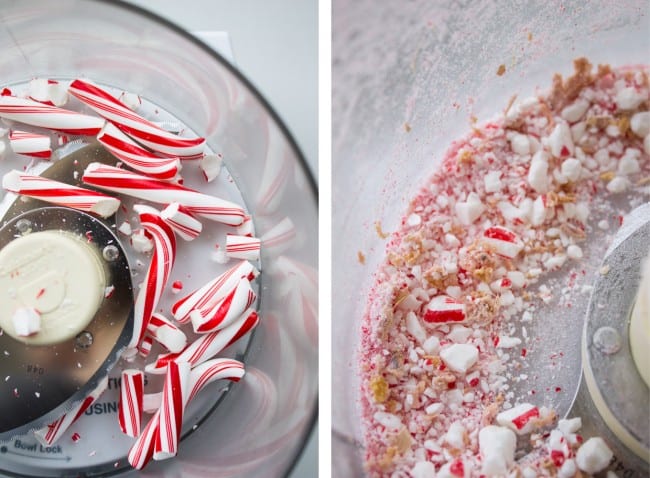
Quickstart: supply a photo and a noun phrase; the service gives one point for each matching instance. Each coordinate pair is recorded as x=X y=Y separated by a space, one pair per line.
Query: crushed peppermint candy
x=495 y=239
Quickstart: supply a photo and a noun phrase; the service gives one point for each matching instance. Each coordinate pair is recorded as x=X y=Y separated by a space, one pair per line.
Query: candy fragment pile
x=148 y=163
x=512 y=202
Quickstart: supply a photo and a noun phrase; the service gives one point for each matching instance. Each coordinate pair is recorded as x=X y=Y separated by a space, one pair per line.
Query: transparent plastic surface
x=259 y=427
x=407 y=78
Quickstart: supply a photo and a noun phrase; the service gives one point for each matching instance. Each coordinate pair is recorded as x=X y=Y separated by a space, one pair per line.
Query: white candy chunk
x=628 y=99
x=497 y=446
x=414 y=220
x=560 y=141
x=131 y=100
x=459 y=357
x=26 y=321
x=470 y=210
x=414 y=327
x=125 y=228
x=219 y=256
x=646 y=144
x=503 y=241
x=574 y=252
x=456 y=436
x=571 y=169
x=38 y=89
x=628 y=165
x=520 y=144
x=568 y=469
x=210 y=164
x=58 y=94
x=618 y=185
x=459 y=334
x=510 y=212
x=640 y=123
x=434 y=408
x=431 y=345
x=519 y=418
x=492 y=182
x=388 y=420
x=594 y=455
x=569 y=425
x=575 y=110
x=445 y=470
x=517 y=278
x=538 y=215
x=506 y=342
x=538 y=172
x=423 y=469
x=140 y=242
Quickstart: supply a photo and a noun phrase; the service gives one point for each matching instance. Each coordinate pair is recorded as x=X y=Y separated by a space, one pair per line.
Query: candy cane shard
x=505 y=242
x=217 y=369
x=55 y=430
x=209 y=345
x=61 y=194
x=213 y=291
x=131 y=402
x=30 y=144
x=246 y=228
x=135 y=156
x=49 y=92
x=145 y=345
x=142 y=450
x=225 y=311
x=243 y=247
x=174 y=399
x=144 y=131
x=34 y=113
x=443 y=309
x=182 y=221
x=162 y=261
x=166 y=333
x=131 y=184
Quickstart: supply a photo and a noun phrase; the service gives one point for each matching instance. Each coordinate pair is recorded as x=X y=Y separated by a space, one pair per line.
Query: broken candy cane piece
x=243 y=247
x=470 y=210
x=497 y=446
x=34 y=113
x=213 y=291
x=56 y=429
x=216 y=369
x=223 y=312
x=166 y=333
x=174 y=398
x=135 y=125
x=142 y=450
x=26 y=321
x=162 y=261
x=135 y=156
x=560 y=141
x=144 y=347
x=443 y=309
x=61 y=194
x=125 y=182
x=131 y=402
x=504 y=242
x=210 y=164
x=594 y=455
x=519 y=418
x=208 y=345
x=246 y=228
x=49 y=92
x=459 y=357
x=30 y=144
x=182 y=221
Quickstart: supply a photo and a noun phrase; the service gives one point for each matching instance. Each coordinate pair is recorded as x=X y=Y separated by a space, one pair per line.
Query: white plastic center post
x=640 y=325
x=58 y=275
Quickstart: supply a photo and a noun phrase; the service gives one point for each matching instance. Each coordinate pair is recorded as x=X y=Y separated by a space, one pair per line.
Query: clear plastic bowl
x=261 y=425
x=407 y=77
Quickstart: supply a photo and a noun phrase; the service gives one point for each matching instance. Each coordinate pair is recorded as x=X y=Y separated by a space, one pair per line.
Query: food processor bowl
x=257 y=428
x=407 y=80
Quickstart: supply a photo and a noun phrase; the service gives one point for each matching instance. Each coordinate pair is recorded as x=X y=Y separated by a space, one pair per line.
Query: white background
x=275 y=45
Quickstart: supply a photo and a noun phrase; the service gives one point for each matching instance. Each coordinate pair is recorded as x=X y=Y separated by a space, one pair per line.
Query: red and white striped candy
x=135 y=125
x=520 y=418
x=131 y=402
x=30 y=144
x=142 y=450
x=166 y=333
x=134 y=155
x=209 y=345
x=162 y=261
x=34 y=113
x=217 y=369
x=214 y=290
x=246 y=228
x=56 y=429
x=154 y=190
x=243 y=247
x=225 y=311
x=174 y=398
x=504 y=242
x=443 y=309
x=280 y=237
x=61 y=194
x=182 y=221
x=49 y=92
x=144 y=347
